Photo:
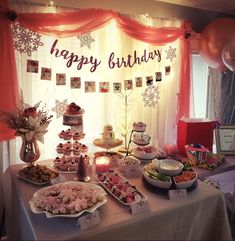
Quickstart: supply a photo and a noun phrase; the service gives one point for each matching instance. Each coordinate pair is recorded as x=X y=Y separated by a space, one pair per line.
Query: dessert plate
x=44 y=192
x=30 y=181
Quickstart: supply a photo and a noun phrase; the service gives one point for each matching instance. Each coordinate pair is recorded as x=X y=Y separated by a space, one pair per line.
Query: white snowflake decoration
x=60 y=107
x=85 y=40
x=170 y=53
x=25 y=40
x=151 y=96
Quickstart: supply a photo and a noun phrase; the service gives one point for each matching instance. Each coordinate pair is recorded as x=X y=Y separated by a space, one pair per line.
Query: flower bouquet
x=31 y=124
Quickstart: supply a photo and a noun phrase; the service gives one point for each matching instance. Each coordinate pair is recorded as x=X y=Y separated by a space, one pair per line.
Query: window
x=199 y=86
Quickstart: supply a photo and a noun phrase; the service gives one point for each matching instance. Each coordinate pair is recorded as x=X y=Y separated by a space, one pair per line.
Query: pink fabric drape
x=8 y=73
x=185 y=73
x=74 y=23
x=88 y=20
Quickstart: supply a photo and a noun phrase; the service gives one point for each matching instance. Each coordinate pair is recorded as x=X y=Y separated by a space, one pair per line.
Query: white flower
x=36 y=130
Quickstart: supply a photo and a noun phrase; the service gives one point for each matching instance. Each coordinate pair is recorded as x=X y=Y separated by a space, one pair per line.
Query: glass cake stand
x=99 y=143
x=113 y=156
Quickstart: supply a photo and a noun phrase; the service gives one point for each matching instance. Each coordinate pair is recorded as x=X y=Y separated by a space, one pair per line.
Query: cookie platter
x=37 y=174
x=69 y=199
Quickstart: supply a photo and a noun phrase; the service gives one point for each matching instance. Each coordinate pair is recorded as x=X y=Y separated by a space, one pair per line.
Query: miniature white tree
x=126 y=111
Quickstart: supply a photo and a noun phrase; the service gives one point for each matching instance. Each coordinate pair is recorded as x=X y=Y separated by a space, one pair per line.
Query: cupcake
x=63 y=165
x=76 y=144
x=61 y=134
x=86 y=158
x=68 y=135
x=60 y=148
x=72 y=166
x=57 y=160
x=68 y=144
x=84 y=148
x=77 y=150
x=76 y=136
x=67 y=151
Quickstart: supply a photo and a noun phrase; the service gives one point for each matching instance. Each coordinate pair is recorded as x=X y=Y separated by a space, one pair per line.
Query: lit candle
x=102 y=164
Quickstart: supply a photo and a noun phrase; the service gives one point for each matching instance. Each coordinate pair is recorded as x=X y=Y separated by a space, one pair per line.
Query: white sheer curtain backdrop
x=103 y=108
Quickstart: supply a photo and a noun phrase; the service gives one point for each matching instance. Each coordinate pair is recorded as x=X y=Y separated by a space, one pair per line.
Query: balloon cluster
x=217 y=44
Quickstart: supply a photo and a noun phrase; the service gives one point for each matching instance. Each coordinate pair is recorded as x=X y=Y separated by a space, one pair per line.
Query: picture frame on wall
x=225 y=140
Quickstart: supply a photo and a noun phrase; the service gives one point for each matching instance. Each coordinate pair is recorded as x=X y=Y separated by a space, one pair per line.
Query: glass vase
x=29 y=151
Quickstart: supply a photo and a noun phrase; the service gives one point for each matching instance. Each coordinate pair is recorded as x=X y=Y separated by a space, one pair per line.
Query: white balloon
x=228 y=55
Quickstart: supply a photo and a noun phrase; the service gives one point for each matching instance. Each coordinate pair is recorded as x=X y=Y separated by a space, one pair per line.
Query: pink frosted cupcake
x=76 y=136
x=61 y=134
x=77 y=144
x=86 y=158
x=67 y=151
x=60 y=148
x=62 y=165
x=72 y=166
x=77 y=151
x=68 y=135
x=57 y=160
x=84 y=148
x=68 y=144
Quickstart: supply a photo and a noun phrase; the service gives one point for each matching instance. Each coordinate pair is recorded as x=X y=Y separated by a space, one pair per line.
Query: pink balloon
x=228 y=55
x=213 y=39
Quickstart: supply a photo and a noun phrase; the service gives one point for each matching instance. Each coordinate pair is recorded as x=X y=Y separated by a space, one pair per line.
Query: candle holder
x=102 y=164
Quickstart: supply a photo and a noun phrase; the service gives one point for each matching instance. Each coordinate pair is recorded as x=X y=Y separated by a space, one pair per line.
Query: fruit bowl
x=185 y=180
x=145 y=153
x=170 y=167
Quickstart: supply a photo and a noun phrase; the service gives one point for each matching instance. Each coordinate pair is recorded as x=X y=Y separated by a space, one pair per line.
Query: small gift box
x=197 y=153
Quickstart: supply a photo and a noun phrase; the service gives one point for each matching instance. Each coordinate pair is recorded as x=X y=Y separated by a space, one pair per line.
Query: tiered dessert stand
x=128 y=152
x=81 y=166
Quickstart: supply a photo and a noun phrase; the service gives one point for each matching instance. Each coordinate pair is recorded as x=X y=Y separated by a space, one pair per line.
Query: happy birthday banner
x=113 y=61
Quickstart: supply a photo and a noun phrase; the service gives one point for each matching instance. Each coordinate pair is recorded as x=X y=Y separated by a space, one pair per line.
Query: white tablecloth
x=200 y=216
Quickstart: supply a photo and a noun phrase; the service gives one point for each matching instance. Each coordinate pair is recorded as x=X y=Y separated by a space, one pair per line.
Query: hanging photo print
x=32 y=66
x=117 y=87
x=89 y=86
x=149 y=80
x=128 y=84
x=104 y=87
x=60 y=79
x=167 y=70
x=75 y=82
x=138 y=81
x=158 y=76
x=46 y=73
